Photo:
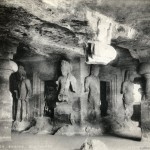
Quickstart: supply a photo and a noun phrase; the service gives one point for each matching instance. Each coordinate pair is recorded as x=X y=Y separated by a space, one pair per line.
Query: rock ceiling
x=63 y=26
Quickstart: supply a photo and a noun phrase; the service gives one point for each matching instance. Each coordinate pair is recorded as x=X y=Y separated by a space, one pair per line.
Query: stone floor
x=50 y=142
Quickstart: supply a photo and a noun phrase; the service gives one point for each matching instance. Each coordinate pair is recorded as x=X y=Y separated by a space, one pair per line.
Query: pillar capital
x=147 y=76
x=7 y=49
x=6 y=64
x=144 y=68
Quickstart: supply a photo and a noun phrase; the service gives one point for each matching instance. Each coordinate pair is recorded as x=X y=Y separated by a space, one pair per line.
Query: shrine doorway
x=104 y=96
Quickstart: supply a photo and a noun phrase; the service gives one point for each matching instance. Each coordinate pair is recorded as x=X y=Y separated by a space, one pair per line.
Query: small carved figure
x=92 y=87
x=127 y=91
x=66 y=82
x=23 y=96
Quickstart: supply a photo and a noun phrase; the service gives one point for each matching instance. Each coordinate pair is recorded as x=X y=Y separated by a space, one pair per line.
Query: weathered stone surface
x=145 y=104
x=116 y=124
x=92 y=87
x=44 y=25
x=93 y=144
x=6 y=68
x=5 y=129
x=42 y=125
x=71 y=130
x=20 y=126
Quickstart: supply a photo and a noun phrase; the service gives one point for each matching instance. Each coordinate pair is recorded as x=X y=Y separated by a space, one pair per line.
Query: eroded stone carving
x=93 y=144
x=127 y=91
x=66 y=88
x=92 y=88
x=66 y=82
x=23 y=95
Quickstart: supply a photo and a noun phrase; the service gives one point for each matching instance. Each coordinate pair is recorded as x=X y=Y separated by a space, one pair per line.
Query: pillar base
x=5 y=130
x=6 y=68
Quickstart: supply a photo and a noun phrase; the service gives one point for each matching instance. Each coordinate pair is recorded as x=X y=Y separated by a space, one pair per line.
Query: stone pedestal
x=6 y=68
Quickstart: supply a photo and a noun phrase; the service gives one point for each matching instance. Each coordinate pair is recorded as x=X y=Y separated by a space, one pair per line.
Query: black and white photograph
x=74 y=74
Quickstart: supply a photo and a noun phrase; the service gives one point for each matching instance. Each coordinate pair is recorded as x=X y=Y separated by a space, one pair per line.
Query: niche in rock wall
x=38 y=96
x=108 y=93
x=44 y=95
x=50 y=97
x=104 y=96
x=44 y=73
x=139 y=96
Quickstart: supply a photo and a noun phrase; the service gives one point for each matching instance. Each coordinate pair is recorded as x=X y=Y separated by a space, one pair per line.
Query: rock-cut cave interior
x=76 y=71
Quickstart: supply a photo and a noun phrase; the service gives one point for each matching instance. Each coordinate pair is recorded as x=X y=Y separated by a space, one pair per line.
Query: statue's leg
x=130 y=108
x=24 y=110
x=97 y=109
x=13 y=110
x=18 y=114
x=27 y=109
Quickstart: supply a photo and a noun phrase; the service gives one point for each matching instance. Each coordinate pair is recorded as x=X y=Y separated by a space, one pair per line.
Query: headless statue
x=92 y=87
x=23 y=96
x=66 y=82
x=127 y=91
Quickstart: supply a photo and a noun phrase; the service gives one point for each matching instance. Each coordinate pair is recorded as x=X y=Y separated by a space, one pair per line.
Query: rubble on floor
x=70 y=130
x=93 y=144
x=43 y=125
x=20 y=126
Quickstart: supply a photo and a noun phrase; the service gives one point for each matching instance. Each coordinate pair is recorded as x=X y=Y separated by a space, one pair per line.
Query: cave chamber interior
x=83 y=68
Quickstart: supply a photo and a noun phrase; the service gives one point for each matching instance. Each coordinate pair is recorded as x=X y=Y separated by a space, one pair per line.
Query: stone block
x=5 y=130
x=5 y=111
x=93 y=144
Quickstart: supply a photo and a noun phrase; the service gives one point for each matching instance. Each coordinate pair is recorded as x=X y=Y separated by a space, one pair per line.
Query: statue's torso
x=94 y=87
x=128 y=92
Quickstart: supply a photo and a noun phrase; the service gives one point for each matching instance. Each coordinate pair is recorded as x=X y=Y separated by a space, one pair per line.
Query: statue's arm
x=86 y=85
x=123 y=88
x=58 y=84
x=28 y=86
x=74 y=84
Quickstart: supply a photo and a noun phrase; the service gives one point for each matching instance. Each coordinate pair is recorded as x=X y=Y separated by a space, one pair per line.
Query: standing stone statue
x=66 y=82
x=66 y=88
x=92 y=87
x=24 y=95
x=14 y=88
x=127 y=91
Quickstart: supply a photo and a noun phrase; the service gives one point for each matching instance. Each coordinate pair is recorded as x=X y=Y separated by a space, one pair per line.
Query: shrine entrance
x=104 y=96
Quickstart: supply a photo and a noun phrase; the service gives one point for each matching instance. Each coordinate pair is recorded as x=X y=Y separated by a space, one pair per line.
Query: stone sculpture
x=93 y=144
x=66 y=82
x=14 y=88
x=66 y=88
x=92 y=87
x=127 y=91
x=23 y=96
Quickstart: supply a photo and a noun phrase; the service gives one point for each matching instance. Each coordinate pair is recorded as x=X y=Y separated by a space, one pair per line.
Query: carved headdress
x=65 y=65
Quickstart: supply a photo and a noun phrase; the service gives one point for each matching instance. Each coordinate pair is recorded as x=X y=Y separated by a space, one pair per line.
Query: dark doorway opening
x=50 y=95
x=105 y=96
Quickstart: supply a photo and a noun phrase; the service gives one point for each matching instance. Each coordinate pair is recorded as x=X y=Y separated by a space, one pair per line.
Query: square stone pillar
x=6 y=68
x=144 y=70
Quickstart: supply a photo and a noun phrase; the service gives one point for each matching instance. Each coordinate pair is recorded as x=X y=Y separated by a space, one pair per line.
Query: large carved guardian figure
x=92 y=88
x=127 y=91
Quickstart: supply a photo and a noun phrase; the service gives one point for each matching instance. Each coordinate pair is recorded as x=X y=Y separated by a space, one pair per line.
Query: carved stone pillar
x=145 y=104
x=6 y=68
x=7 y=50
x=147 y=86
